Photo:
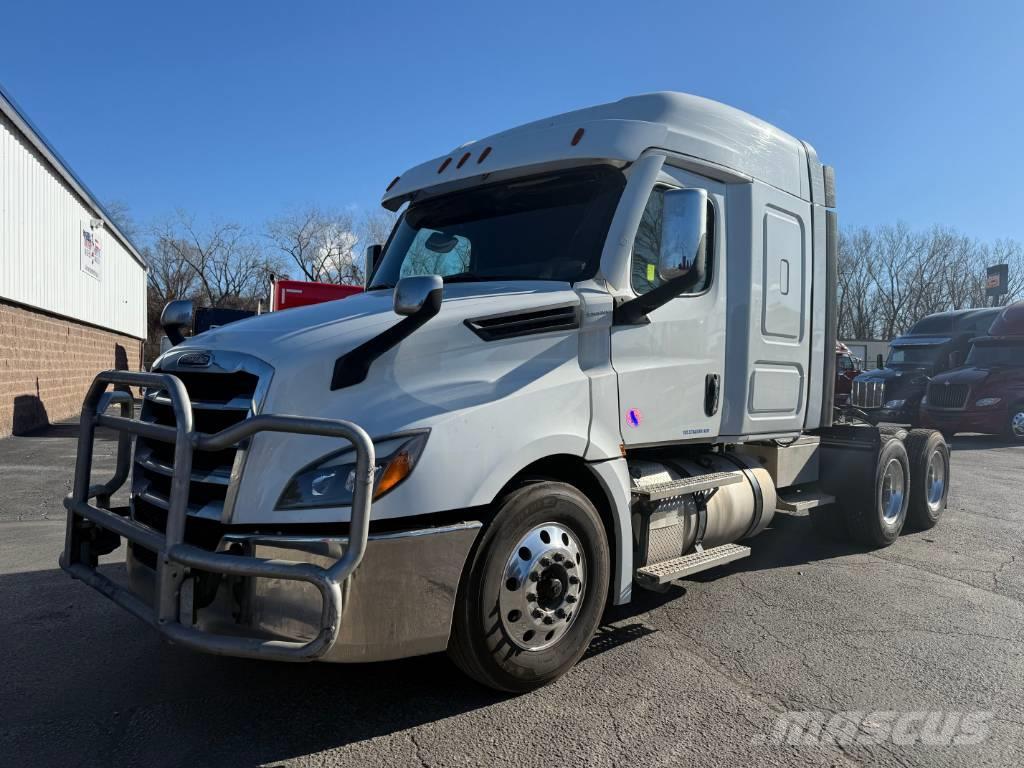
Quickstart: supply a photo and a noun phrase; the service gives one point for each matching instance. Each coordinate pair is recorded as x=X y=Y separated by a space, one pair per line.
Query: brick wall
x=47 y=364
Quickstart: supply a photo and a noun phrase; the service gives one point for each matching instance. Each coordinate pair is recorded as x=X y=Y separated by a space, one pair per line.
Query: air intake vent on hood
x=507 y=326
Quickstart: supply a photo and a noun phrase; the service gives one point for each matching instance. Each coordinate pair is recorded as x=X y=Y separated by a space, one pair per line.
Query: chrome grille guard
x=175 y=558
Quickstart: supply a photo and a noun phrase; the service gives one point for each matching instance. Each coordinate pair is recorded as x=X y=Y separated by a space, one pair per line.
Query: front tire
x=1015 y=423
x=534 y=589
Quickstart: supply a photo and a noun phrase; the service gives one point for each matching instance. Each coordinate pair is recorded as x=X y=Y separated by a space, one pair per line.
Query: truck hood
x=992 y=378
x=471 y=390
x=899 y=382
x=330 y=329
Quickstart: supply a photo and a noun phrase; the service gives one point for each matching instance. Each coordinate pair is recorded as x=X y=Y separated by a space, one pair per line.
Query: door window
x=647 y=244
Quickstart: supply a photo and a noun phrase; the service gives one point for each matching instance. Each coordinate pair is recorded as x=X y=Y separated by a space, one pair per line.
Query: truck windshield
x=989 y=355
x=549 y=227
x=920 y=356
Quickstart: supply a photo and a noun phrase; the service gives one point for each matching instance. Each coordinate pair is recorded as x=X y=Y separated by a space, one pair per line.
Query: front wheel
x=533 y=591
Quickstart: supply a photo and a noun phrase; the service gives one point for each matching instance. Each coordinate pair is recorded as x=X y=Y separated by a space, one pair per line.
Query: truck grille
x=218 y=401
x=868 y=394
x=951 y=396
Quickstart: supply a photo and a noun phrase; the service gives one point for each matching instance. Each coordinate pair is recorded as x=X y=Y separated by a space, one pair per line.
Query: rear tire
x=929 y=477
x=876 y=517
x=533 y=591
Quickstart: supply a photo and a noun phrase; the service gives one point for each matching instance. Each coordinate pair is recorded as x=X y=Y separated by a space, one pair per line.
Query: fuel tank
x=670 y=527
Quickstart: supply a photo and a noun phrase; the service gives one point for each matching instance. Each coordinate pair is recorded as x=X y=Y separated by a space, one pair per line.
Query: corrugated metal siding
x=40 y=246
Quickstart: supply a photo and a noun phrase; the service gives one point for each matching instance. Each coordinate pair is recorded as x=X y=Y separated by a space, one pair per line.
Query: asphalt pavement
x=701 y=675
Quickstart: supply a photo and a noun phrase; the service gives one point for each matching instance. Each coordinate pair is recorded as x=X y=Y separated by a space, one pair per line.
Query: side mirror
x=684 y=231
x=371 y=257
x=419 y=295
x=176 y=315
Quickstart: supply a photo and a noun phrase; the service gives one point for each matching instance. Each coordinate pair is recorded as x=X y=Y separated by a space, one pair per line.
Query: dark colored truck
x=986 y=394
x=934 y=344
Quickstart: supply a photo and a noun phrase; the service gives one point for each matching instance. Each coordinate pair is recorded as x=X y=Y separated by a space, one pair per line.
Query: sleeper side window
x=647 y=244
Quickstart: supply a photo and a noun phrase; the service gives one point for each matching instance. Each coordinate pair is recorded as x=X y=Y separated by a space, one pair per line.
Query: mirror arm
x=635 y=310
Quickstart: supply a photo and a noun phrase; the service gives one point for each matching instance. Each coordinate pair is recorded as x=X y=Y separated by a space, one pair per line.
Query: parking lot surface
x=699 y=675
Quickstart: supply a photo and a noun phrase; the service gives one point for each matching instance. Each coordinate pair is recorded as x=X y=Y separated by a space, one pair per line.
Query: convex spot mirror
x=684 y=226
x=419 y=294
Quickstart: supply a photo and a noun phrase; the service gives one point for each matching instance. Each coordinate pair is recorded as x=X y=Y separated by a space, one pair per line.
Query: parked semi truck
x=934 y=344
x=596 y=354
x=986 y=394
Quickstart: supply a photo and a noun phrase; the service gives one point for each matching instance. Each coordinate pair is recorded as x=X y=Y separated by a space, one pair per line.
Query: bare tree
x=228 y=265
x=320 y=243
x=890 y=276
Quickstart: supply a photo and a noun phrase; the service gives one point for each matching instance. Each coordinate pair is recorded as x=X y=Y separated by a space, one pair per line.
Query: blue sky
x=238 y=111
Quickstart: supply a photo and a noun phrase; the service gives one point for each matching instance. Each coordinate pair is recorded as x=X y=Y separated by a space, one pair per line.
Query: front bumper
x=269 y=597
x=991 y=421
x=398 y=603
x=908 y=414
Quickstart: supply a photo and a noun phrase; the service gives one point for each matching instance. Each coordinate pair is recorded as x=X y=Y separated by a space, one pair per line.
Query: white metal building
x=72 y=286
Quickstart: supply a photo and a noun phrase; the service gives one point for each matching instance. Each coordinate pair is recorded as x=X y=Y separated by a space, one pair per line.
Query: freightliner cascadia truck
x=595 y=355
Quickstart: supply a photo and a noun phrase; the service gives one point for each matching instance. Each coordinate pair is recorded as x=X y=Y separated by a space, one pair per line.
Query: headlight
x=986 y=402
x=924 y=400
x=330 y=482
x=895 y=403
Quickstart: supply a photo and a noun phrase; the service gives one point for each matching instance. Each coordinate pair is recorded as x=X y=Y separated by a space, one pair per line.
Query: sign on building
x=92 y=251
x=995 y=282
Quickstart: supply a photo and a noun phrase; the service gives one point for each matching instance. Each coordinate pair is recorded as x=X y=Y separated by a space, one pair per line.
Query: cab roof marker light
x=462 y=161
x=577 y=136
x=483 y=155
x=445 y=164
x=392 y=184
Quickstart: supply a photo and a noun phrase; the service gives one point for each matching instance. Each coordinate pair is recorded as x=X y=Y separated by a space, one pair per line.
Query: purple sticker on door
x=634 y=417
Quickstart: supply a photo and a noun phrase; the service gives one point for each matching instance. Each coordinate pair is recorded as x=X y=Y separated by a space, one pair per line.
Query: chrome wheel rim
x=935 y=483
x=543 y=587
x=892 y=491
x=1017 y=424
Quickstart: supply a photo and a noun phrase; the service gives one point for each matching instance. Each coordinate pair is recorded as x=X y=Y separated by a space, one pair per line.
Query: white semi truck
x=595 y=354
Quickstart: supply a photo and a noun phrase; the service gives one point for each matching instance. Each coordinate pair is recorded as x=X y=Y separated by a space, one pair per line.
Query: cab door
x=670 y=367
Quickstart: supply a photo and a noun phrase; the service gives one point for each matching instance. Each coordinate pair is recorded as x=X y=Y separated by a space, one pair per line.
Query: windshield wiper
x=472 y=277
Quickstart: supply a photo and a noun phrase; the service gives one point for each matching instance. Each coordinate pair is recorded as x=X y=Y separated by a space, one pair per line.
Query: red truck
x=848 y=368
x=296 y=293
x=986 y=394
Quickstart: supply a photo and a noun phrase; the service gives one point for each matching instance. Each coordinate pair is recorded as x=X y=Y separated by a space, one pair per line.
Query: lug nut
x=536 y=613
x=560 y=613
x=570 y=564
x=573 y=580
x=558 y=557
x=545 y=562
x=534 y=577
x=530 y=597
x=548 y=620
x=570 y=598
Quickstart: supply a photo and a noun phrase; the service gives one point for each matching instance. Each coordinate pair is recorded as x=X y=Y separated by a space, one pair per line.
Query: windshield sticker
x=634 y=417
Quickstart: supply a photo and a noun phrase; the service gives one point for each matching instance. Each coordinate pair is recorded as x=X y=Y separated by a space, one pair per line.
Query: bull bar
x=175 y=558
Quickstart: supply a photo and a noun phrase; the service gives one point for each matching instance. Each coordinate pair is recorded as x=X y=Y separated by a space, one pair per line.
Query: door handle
x=711 y=392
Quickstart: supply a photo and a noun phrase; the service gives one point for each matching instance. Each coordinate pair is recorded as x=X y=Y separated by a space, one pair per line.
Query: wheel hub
x=892 y=491
x=545 y=579
x=1018 y=424
x=936 y=482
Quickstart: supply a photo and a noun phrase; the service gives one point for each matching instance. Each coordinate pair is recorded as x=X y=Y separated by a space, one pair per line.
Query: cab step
x=661 y=573
x=660 y=490
x=797 y=499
